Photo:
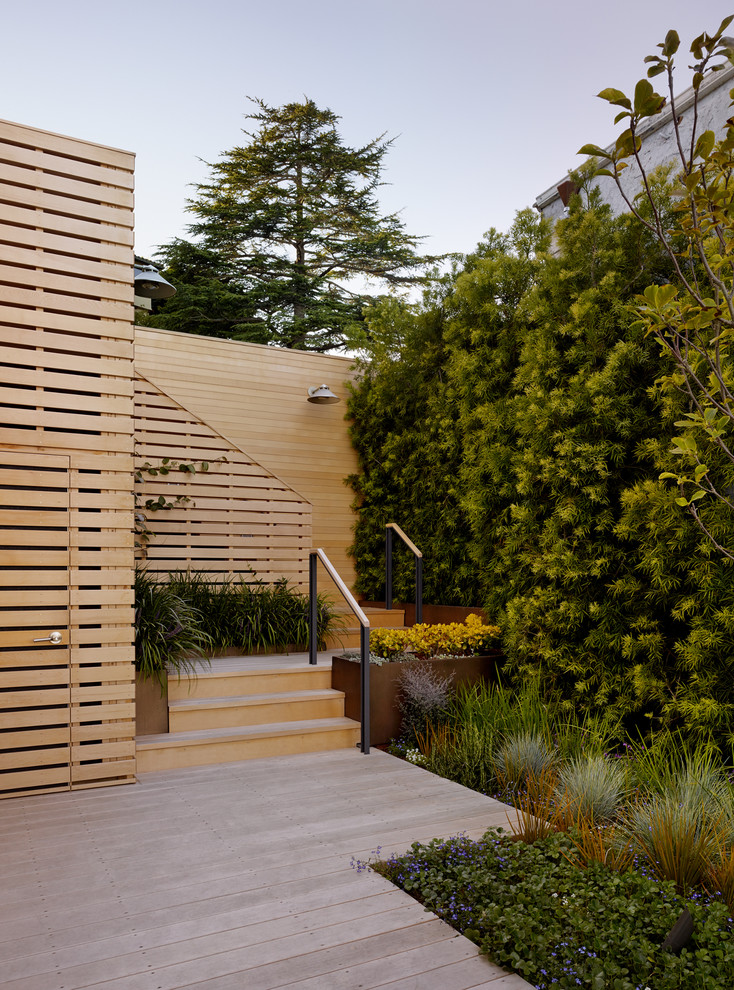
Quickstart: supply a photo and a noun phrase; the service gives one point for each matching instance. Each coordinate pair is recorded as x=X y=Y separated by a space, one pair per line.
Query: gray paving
x=235 y=877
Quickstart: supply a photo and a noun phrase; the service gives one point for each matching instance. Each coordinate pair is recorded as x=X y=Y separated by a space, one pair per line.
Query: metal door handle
x=54 y=637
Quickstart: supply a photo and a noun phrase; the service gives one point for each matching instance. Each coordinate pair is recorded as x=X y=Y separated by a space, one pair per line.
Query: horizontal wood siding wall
x=66 y=396
x=256 y=396
x=237 y=518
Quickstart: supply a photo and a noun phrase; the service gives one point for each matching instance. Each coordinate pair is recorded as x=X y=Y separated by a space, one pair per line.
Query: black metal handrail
x=391 y=528
x=314 y=556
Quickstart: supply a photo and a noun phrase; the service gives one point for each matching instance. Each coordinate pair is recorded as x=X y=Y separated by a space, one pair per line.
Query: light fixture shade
x=321 y=394
x=150 y=284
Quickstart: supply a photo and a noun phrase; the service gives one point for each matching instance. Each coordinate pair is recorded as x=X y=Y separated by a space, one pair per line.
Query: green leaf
x=594 y=150
x=671 y=43
x=704 y=145
x=626 y=145
x=685 y=444
x=643 y=93
x=655 y=70
x=616 y=97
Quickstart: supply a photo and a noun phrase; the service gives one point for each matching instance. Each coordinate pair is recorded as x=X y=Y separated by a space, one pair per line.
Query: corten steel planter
x=151 y=707
x=433 y=613
x=385 y=686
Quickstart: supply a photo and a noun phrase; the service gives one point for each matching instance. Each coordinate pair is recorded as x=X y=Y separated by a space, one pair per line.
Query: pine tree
x=293 y=223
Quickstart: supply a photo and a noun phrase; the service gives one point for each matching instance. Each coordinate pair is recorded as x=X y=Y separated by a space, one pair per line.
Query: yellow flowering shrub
x=438 y=639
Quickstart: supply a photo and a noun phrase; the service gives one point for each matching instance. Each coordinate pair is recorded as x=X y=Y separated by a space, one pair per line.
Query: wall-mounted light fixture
x=321 y=394
x=150 y=284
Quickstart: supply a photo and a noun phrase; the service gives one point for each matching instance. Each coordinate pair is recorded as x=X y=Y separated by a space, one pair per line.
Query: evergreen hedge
x=515 y=425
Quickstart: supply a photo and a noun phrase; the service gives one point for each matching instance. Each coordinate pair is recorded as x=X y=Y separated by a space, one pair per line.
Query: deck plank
x=235 y=876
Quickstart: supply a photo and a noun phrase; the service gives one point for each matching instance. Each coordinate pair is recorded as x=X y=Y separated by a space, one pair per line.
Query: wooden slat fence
x=239 y=518
x=66 y=462
x=256 y=397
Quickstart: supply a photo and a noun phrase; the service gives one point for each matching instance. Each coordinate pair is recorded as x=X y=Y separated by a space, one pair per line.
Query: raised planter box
x=385 y=687
x=151 y=707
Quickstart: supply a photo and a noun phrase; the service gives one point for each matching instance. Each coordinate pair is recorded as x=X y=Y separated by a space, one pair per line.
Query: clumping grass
x=246 y=613
x=719 y=878
x=481 y=718
x=168 y=631
x=591 y=788
x=460 y=752
x=536 y=814
x=522 y=758
x=611 y=841
x=530 y=908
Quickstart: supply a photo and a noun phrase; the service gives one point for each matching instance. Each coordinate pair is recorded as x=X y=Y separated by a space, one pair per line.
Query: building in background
x=659 y=145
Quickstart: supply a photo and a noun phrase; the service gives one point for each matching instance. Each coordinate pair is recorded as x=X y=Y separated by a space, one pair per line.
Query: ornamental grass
x=610 y=842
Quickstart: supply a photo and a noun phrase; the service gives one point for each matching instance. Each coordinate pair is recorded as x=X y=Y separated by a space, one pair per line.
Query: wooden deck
x=236 y=877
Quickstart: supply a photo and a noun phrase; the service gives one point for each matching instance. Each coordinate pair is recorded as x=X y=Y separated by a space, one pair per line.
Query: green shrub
x=423 y=700
x=252 y=616
x=168 y=630
x=517 y=420
x=180 y=620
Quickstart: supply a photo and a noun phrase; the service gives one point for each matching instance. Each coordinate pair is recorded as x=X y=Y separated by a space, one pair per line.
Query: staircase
x=250 y=707
x=221 y=716
x=347 y=637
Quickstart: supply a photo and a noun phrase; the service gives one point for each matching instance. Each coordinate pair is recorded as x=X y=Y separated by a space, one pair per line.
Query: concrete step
x=257 y=709
x=240 y=683
x=176 y=750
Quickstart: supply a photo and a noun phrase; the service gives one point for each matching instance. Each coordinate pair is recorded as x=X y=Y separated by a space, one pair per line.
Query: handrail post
x=364 y=701
x=388 y=567
x=418 y=589
x=389 y=527
x=313 y=608
x=364 y=638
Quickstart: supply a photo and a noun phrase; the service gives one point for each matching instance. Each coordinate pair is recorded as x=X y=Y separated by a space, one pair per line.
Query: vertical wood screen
x=238 y=519
x=256 y=396
x=66 y=390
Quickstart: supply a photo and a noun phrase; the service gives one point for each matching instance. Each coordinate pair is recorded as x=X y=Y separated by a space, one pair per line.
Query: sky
x=488 y=101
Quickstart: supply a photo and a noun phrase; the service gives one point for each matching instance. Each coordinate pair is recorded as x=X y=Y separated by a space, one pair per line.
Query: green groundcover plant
x=612 y=840
x=532 y=910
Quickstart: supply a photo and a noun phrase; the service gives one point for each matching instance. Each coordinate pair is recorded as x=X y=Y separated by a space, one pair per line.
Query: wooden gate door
x=34 y=623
